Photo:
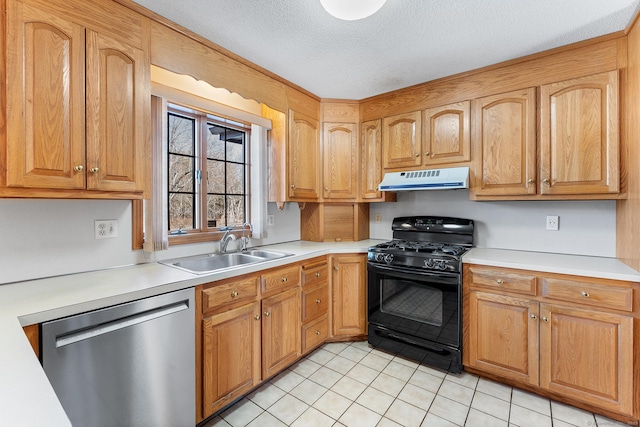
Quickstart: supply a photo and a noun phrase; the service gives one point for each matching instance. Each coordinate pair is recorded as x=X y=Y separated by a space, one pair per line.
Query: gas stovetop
x=422 y=247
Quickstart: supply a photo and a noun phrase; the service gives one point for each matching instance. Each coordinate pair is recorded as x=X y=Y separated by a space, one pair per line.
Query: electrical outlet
x=270 y=220
x=378 y=218
x=553 y=222
x=106 y=228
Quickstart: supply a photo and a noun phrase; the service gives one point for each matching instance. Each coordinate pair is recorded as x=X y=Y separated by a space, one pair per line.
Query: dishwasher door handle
x=124 y=322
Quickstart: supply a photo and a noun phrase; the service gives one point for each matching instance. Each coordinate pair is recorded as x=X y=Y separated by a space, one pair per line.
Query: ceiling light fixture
x=351 y=10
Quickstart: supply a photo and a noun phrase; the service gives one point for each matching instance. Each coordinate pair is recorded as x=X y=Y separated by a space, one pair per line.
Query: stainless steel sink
x=203 y=264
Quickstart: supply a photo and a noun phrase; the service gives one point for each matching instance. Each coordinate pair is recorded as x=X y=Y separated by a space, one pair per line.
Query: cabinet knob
x=267 y=313
x=78 y=168
x=584 y=294
x=326 y=189
x=500 y=282
x=293 y=186
x=234 y=294
x=318 y=301
x=94 y=170
x=545 y=318
x=546 y=180
x=530 y=181
x=317 y=274
x=336 y=268
x=317 y=332
x=417 y=154
x=284 y=279
x=428 y=153
x=257 y=317
x=533 y=316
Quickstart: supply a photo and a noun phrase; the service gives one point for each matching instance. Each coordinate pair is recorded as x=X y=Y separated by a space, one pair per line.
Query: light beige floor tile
x=332 y=404
x=481 y=419
x=288 y=409
x=321 y=356
x=417 y=396
x=426 y=381
x=359 y=416
x=432 y=420
x=349 y=388
x=362 y=345
x=375 y=361
x=405 y=414
x=572 y=415
x=381 y=353
x=433 y=371
x=363 y=374
x=491 y=405
x=558 y=423
x=266 y=395
x=386 y=422
x=308 y=391
x=287 y=380
x=353 y=353
x=335 y=347
x=492 y=388
x=388 y=384
x=398 y=370
x=242 y=413
x=466 y=379
x=305 y=367
x=325 y=377
x=313 y=418
x=217 y=422
x=449 y=410
x=266 y=420
x=375 y=400
x=410 y=363
x=531 y=401
x=457 y=392
x=523 y=417
x=340 y=364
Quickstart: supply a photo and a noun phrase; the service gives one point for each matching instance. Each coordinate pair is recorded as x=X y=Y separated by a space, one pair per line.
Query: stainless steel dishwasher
x=130 y=365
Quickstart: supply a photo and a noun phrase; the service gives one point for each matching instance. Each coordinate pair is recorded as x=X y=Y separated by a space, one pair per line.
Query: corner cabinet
x=78 y=101
x=304 y=157
x=349 y=295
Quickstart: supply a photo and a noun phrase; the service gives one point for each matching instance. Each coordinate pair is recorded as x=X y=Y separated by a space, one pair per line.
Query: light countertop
x=27 y=398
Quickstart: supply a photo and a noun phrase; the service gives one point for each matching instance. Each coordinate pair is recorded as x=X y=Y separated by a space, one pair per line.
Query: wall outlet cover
x=106 y=228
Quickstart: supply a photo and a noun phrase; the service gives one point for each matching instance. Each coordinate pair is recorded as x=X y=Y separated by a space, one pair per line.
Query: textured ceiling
x=405 y=43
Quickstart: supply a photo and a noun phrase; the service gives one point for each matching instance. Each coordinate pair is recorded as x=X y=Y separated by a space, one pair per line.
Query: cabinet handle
x=500 y=282
x=318 y=301
x=336 y=268
x=417 y=154
x=78 y=168
x=533 y=316
x=530 y=181
x=326 y=189
x=427 y=153
x=584 y=294
x=545 y=318
x=317 y=332
x=284 y=279
x=546 y=180
x=94 y=170
x=234 y=294
x=293 y=186
x=257 y=317
x=267 y=313
x=317 y=274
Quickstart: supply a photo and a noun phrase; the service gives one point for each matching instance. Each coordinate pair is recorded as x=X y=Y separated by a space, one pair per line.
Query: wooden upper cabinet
x=579 y=136
x=370 y=159
x=118 y=85
x=304 y=157
x=45 y=99
x=505 y=143
x=401 y=140
x=78 y=104
x=340 y=160
x=447 y=134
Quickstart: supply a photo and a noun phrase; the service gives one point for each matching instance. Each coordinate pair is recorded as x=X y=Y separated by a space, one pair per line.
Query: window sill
x=203 y=237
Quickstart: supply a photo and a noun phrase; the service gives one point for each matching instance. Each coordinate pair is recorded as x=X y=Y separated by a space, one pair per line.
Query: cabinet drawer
x=597 y=294
x=315 y=333
x=314 y=302
x=507 y=281
x=281 y=279
x=315 y=275
x=229 y=292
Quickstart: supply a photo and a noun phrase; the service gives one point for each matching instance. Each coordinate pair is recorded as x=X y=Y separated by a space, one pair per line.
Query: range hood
x=428 y=179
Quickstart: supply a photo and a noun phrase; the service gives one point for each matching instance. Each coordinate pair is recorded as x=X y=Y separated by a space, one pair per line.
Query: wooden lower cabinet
x=231 y=355
x=349 y=300
x=280 y=331
x=551 y=340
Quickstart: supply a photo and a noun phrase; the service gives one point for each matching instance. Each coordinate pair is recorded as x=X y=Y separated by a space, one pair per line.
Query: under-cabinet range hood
x=428 y=179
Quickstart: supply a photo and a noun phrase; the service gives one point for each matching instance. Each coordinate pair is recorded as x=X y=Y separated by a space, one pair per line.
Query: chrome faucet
x=245 y=240
x=226 y=238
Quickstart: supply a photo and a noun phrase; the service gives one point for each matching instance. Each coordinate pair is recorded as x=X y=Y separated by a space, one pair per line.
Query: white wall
x=42 y=238
x=586 y=227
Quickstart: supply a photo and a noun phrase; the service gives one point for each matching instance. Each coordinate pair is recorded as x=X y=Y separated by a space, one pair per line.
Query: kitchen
x=66 y=227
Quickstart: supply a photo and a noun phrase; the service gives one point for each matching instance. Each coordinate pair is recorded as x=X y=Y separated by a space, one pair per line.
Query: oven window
x=411 y=300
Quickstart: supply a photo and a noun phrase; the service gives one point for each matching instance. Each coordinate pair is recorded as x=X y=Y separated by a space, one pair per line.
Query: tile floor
x=352 y=385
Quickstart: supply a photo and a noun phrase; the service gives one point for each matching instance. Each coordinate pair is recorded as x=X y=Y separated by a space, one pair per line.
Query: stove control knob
x=428 y=263
x=440 y=264
x=388 y=258
x=379 y=257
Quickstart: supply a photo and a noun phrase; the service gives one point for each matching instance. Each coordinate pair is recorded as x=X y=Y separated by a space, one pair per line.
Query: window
x=207 y=174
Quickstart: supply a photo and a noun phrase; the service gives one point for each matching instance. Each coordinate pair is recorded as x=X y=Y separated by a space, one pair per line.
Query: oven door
x=423 y=305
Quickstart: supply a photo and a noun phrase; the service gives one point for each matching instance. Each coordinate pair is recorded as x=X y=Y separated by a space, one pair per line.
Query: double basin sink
x=204 y=264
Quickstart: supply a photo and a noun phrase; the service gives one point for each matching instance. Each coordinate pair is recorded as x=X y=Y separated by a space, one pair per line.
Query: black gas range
x=414 y=289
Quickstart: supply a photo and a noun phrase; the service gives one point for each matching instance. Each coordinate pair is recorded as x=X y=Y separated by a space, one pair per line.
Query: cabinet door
x=587 y=355
x=505 y=143
x=371 y=159
x=230 y=356
x=446 y=134
x=340 y=160
x=45 y=99
x=579 y=140
x=280 y=331
x=401 y=140
x=118 y=114
x=304 y=157
x=349 y=295
x=503 y=336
